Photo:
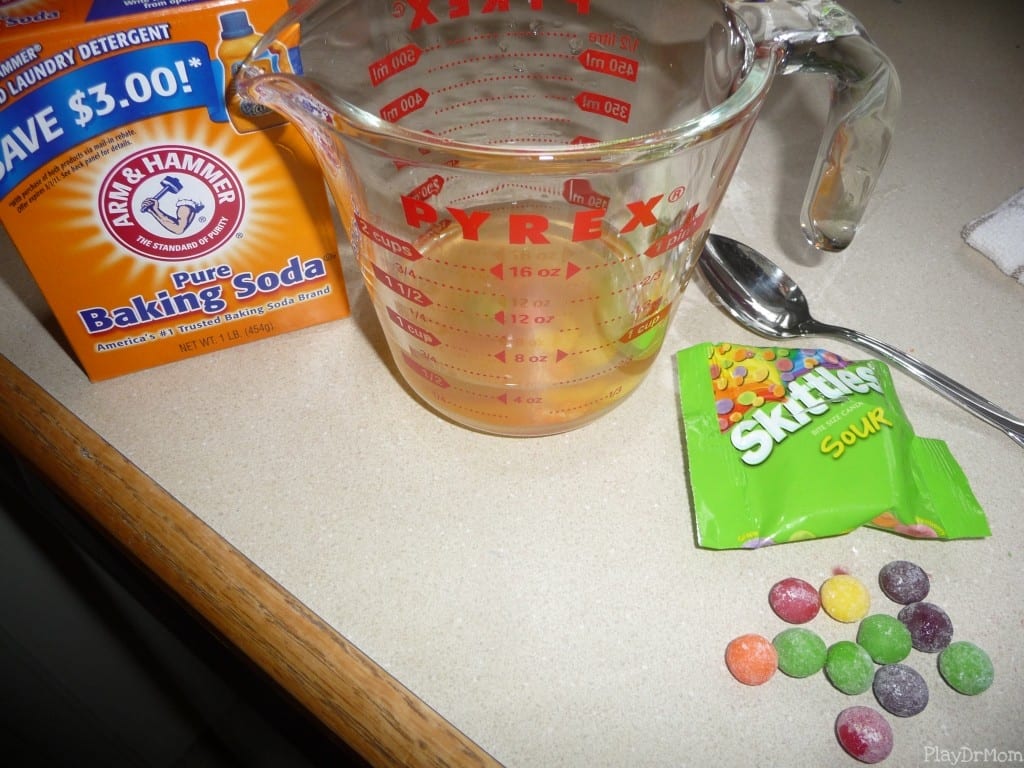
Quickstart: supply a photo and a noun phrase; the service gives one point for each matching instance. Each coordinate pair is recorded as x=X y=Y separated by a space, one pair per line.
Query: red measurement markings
x=413 y=330
x=599 y=104
x=691 y=224
x=645 y=325
x=515 y=55
x=611 y=394
x=400 y=164
x=579 y=192
x=434 y=378
x=502 y=272
x=488 y=192
x=406 y=291
x=493 y=79
x=394 y=244
x=404 y=105
x=397 y=61
x=621 y=42
x=522 y=318
x=534 y=358
x=610 y=64
x=499 y=97
x=508 y=399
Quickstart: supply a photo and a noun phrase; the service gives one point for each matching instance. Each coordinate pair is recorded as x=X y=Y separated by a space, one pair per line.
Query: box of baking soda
x=161 y=216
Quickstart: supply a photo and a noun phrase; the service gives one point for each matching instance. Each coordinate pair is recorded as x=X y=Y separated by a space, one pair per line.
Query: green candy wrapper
x=792 y=444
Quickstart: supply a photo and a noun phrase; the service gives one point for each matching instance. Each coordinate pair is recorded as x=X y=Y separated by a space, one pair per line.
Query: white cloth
x=999 y=235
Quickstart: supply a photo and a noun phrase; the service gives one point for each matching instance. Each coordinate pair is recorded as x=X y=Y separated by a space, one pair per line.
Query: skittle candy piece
x=930 y=627
x=794 y=600
x=966 y=667
x=904 y=582
x=900 y=690
x=801 y=652
x=886 y=638
x=751 y=659
x=845 y=599
x=849 y=667
x=864 y=734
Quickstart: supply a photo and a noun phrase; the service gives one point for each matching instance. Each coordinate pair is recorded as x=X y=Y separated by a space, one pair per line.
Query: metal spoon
x=763 y=298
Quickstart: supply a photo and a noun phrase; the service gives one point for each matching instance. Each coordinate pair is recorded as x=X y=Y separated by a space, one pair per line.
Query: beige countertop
x=545 y=596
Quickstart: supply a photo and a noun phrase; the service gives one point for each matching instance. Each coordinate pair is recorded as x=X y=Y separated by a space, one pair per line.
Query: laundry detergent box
x=161 y=215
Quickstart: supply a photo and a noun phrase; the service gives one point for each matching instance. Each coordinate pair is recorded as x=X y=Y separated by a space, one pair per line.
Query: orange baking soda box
x=161 y=215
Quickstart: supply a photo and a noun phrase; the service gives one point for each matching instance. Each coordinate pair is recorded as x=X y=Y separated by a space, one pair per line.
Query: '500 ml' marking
x=397 y=61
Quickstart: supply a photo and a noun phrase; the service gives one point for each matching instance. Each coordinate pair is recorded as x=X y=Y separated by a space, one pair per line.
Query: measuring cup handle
x=821 y=37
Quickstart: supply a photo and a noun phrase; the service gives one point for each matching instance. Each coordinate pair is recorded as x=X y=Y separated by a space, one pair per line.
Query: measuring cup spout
x=275 y=76
x=281 y=92
x=820 y=37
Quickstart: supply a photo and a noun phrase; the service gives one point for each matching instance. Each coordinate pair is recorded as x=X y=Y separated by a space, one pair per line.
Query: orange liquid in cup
x=524 y=339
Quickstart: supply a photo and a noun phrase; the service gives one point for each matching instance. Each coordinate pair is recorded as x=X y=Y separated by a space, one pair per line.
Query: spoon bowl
x=760 y=296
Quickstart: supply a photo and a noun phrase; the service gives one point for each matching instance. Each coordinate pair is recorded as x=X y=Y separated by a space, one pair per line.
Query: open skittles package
x=791 y=444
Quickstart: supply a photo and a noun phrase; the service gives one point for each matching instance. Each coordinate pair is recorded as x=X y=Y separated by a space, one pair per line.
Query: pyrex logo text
x=455 y=9
x=524 y=228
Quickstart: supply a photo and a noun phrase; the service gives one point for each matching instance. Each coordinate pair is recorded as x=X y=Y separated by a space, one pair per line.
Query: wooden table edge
x=353 y=696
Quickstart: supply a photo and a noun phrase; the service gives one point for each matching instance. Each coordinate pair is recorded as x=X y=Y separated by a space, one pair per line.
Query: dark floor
x=98 y=666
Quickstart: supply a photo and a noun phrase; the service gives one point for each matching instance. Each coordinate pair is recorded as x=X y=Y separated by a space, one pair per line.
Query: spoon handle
x=958 y=393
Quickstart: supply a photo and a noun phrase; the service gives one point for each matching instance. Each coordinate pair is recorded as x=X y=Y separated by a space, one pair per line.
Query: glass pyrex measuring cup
x=528 y=183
